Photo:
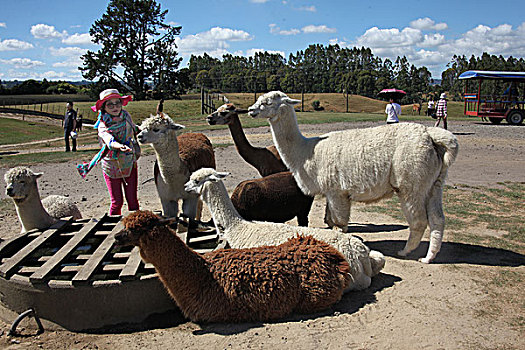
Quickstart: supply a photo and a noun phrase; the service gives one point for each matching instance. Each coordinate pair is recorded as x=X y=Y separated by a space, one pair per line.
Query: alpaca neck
x=245 y=149
x=288 y=139
x=168 y=157
x=221 y=207
x=32 y=214
x=182 y=271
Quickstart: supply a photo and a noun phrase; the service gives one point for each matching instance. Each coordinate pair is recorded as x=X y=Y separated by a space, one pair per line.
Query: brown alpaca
x=177 y=158
x=273 y=198
x=267 y=160
x=303 y=275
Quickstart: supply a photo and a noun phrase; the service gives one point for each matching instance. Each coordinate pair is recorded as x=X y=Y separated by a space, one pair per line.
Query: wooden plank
x=63 y=252
x=70 y=268
x=90 y=266
x=23 y=253
x=132 y=265
x=113 y=267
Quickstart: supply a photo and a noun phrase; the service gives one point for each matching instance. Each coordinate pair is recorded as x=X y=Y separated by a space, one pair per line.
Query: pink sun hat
x=109 y=94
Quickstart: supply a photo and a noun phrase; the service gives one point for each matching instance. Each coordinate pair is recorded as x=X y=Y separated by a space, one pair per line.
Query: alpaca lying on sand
x=239 y=285
x=367 y=165
x=32 y=212
x=240 y=233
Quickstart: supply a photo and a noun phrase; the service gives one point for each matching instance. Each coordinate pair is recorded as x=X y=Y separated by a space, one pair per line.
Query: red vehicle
x=502 y=98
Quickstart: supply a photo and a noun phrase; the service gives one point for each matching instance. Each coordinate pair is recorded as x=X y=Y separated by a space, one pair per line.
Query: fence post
x=302 y=100
x=202 y=99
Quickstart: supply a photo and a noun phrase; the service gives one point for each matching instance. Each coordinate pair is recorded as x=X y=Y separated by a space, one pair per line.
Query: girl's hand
x=124 y=148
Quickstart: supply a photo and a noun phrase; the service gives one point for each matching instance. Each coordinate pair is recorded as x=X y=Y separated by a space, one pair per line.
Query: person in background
x=70 y=125
x=393 y=111
x=119 y=154
x=431 y=108
x=441 y=110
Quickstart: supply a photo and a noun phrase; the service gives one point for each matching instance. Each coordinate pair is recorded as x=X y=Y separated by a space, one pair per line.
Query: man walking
x=441 y=110
x=70 y=124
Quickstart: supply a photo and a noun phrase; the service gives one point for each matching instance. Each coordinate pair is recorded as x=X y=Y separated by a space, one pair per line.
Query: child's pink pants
x=130 y=185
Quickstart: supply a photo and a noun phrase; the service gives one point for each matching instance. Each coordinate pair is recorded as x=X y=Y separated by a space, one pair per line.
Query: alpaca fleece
x=32 y=212
x=367 y=165
x=241 y=233
x=301 y=275
x=177 y=157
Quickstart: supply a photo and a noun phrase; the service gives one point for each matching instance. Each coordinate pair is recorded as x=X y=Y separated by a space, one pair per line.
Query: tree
x=132 y=46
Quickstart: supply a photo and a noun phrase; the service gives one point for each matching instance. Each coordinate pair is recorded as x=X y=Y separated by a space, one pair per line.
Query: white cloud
x=67 y=51
x=70 y=62
x=390 y=38
x=22 y=63
x=14 y=45
x=432 y=40
x=49 y=75
x=274 y=29
x=252 y=52
x=427 y=24
x=78 y=39
x=336 y=41
x=3 y=25
x=215 y=40
x=259 y=1
x=44 y=31
x=307 y=8
x=317 y=29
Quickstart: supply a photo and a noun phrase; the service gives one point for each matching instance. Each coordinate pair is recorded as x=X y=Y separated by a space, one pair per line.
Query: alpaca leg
x=436 y=220
x=189 y=207
x=170 y=208
x=338 y=210
x=416 y=215
x=199 y=210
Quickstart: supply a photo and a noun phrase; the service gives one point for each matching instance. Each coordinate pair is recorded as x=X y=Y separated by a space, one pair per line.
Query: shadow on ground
x=350 y=303
x=454 y=253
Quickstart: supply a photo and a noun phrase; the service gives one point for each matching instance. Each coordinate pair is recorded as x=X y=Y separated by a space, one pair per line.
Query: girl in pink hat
x=119 y=153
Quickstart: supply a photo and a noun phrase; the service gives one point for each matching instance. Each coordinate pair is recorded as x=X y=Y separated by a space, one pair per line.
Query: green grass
x=499 y=209
x=18 y=131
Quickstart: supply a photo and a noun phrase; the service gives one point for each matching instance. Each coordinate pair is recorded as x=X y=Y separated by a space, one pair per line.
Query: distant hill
x=10 y=83
x=331 y=102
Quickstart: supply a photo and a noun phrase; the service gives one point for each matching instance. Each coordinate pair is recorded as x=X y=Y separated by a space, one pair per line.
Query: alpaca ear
x=219 y=175
x=177 y=126
x=290 y=101
x=38 y=175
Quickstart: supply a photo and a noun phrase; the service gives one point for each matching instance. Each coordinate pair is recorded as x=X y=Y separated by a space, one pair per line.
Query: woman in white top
x=393 y=111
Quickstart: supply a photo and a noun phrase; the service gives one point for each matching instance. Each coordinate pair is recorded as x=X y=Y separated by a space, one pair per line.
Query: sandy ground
x=445 y=305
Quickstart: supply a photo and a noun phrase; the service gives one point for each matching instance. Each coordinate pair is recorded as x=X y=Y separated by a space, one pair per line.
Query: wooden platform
x=74 y=276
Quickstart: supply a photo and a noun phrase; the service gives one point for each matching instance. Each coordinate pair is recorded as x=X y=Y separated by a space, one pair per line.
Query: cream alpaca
x=241 y=233
x=177 y=158
x=32 y=212
x=367 y=165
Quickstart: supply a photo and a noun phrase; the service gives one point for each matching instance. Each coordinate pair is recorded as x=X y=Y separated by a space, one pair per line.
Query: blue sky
x=45 y=39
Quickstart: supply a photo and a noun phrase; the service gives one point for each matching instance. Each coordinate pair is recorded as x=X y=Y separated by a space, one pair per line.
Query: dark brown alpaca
x=303 y=275
x=273 y=198
x=267 y=160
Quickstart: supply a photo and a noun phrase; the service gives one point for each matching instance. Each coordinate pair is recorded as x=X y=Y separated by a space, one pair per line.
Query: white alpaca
x=367 y=165
x=241 y=233
x=32 y=212
x=177 y=158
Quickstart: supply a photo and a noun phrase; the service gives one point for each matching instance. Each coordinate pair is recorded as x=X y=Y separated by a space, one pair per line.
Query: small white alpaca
x=241 y=233
x=367 y=165
x=34 y=213
x=177 y=158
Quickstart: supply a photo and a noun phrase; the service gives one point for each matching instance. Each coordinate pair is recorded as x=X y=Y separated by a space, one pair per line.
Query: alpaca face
x=224 y=115
x=138 y=226
x=20 y=181
x=200 y=177
x=157 y=129
x=268 y=105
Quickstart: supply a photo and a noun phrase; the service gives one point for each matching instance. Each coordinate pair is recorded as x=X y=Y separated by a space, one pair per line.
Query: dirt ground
x=444 y=305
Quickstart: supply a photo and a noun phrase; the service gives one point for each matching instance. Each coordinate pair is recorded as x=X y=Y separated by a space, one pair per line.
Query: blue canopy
x=487 y=74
